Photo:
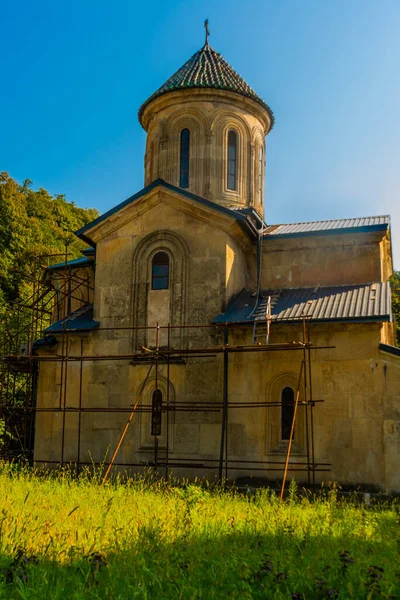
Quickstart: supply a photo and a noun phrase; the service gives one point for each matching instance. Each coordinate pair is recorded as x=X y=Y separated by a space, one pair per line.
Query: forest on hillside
x=33 y=223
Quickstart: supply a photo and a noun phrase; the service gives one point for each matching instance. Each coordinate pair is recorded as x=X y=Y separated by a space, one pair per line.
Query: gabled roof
x=242 y=219
x=80 y=320
x=207 y=69
x=379 y=223
x=364 y=302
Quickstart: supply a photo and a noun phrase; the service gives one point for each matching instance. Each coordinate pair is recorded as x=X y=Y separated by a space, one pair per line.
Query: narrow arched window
x=232 y=159
x=287 y=412
x=151 y=161
x=184 y=160
x=160 y=271
x=260 y=175
x=156 y=412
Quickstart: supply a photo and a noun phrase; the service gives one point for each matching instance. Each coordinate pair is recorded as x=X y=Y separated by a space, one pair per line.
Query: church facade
x=186 y=266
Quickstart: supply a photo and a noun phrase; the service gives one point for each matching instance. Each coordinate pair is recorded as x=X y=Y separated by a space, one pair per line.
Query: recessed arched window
x=260 y=175
x=232 y=159
x=160 y=271
x=156 y=412
x=184 y=159
x=287 y=412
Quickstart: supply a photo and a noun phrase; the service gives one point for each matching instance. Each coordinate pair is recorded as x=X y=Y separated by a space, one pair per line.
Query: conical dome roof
x=207 y=69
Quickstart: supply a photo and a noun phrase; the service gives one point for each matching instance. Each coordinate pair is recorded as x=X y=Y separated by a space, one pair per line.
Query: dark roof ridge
x=242 y=219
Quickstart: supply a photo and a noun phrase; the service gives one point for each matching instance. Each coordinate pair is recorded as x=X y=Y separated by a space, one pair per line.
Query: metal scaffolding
x=20 y=370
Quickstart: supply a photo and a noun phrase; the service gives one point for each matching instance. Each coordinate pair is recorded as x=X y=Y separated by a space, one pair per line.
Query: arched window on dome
x=184 y=159
x=160 y=271
x=232 y=160
x=287 y=412
x=260 y=175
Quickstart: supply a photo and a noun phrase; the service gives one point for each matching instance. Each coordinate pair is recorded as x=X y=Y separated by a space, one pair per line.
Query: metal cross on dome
x=207 y=30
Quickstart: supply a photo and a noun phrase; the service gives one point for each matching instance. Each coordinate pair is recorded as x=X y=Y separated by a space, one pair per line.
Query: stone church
x=211 y=323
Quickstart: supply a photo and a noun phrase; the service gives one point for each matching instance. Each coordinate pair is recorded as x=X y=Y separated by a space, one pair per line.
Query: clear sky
x=73 y=75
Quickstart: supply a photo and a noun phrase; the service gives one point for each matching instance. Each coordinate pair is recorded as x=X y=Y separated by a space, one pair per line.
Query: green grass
x=66 y=538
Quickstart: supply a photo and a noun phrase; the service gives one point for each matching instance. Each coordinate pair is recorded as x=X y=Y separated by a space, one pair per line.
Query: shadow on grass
x=232 y=565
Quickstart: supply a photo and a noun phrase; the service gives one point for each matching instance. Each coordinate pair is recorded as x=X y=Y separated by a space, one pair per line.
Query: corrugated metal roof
x=371 y=302
x=380 y=222
x=79 y=320
x=76 y=262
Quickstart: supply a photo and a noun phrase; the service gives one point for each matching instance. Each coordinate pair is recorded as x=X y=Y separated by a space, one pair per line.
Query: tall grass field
x=67 y=538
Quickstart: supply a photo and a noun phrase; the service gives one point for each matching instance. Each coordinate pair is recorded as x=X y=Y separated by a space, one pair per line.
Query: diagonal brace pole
x=291 y=433
x=121 y=439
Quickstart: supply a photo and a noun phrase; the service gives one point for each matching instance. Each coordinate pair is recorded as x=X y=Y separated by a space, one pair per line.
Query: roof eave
x=242 y=220
x=208 y=89
x=389 y=349
x=374 y=319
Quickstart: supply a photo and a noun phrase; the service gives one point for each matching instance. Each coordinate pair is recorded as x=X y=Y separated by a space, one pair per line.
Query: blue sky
x=75 y=73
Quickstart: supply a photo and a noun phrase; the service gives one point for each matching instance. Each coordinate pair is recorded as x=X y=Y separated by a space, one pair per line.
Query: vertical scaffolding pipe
x=80 y=411
x=156 y=365
x=306 y=398
x=224 y=432
x=311 y=408
x=167 y=416
x=64 y=402
x=32 y=415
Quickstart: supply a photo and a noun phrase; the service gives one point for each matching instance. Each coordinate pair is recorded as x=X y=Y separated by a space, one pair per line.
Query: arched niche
x=274 y=442
x=178 y=252
x=144 y=439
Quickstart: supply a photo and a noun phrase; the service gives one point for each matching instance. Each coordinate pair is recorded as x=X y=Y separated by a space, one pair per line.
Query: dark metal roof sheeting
x=390 y=349
x=76 y=263
x=368 y=302
x=48 y=340
x=382 y=222
x=79 y=320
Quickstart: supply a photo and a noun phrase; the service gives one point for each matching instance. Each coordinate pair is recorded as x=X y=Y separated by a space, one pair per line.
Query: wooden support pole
x=121 y=439
x=291 y=433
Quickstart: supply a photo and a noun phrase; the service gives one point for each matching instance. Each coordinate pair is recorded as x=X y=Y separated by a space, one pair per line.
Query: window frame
x=284 y=420
x=184 y=158
x=232 y=173
x=160 y=276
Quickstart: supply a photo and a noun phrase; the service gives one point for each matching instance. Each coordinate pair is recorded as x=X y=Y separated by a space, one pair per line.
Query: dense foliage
x=67 y=538
x=33 y=223
x=395 y=284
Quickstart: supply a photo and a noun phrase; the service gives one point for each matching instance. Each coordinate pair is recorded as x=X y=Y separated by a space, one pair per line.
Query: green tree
x=395 y=284
x=33 y=223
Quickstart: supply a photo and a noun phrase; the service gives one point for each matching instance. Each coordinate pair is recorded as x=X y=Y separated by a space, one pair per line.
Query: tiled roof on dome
x=207 y=69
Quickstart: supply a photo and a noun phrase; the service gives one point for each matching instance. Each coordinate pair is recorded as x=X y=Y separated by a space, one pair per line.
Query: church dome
x=207 y=69
x=206 y=130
